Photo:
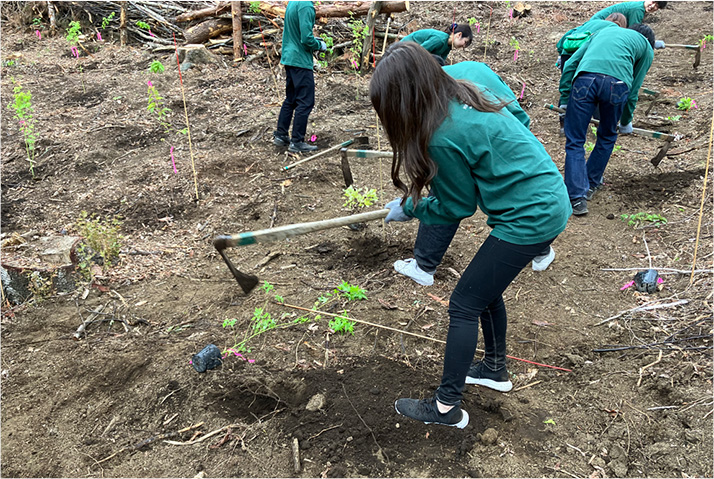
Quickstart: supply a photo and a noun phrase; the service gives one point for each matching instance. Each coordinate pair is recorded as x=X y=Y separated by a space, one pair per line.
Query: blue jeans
x=479 y=294
x=299 y=99
x=591 y=90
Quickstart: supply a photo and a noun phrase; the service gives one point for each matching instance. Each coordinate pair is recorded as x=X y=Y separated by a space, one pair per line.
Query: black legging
x=479 y=293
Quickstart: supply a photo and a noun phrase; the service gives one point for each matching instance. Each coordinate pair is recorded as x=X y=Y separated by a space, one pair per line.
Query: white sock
x=443 y=408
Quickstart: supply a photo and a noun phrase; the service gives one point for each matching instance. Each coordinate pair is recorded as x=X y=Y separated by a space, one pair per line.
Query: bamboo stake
x=386 y=34
x=701 y=208
x=188 y=126
x=485 y=47
x=324 y=313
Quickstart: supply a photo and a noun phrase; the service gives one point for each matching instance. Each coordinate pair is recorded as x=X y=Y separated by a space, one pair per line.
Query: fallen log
x=339 y=10
x=222 y=7
x=208 y=29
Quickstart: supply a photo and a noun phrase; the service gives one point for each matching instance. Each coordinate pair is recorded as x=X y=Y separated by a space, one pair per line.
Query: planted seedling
x=330 y=42
x=102 y=236
x=107 y=20
x=640 y=218
x=254 y=7
x=357 y=199
x=156 y=67
x=342 y=324
x=674 y=118
x=23 y=112
x=156 y=106
x=686 y=104
x=703 y=41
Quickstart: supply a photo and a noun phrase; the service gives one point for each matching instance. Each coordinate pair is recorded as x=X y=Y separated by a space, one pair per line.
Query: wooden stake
x=53 y=20
x=701 y=208
x=122 y=25
x=371 y=18
x=237 y=18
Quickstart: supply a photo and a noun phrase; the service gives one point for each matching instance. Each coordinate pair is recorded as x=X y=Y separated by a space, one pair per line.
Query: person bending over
x=463 y=144
x=606 y=73
x=441 y=43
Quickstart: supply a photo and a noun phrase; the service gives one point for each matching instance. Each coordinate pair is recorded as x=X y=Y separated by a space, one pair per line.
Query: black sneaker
x=580 y=206
x=591 y=192
x=301 y=147
x=481 y=375
x=426 y=411
x=280 y=140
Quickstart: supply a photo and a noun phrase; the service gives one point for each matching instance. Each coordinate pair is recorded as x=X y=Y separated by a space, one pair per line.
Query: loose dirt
x=127 y=386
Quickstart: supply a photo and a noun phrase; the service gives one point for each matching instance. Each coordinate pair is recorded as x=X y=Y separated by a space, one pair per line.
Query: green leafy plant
x=40 y=287
x=322 y=56
x=73 y=32
x=616 y=148
x=703 y=41
x=23 y=112
x=351 y=292
x=156 y=67
x=107 y=20
x=342 y=324
x=686 y=104
x=103 y=236
x=36 y=22
x=589 y=146
x=156 y=106
x=514 y=43
x=9 y=63
x=674 y=118
x=472 y=21
x=637 y=219
x=359 y=32
x=359 y=198
x=143 y=25
x=254 y=7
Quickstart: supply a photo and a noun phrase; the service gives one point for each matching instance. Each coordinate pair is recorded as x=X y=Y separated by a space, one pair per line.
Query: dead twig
x=145 y=442
x=642 y=369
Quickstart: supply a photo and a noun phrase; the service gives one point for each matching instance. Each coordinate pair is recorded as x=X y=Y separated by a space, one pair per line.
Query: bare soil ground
x=643 y=409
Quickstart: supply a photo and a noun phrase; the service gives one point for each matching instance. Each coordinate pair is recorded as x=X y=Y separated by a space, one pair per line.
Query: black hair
x=646 y=31
x=661 y=5
x=464 y=30
x=439 y=59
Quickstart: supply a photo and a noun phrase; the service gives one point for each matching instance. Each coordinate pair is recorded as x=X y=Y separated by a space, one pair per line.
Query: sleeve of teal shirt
x=455 y=193
x=641 y=68
x=307 y=22
x=566 y=80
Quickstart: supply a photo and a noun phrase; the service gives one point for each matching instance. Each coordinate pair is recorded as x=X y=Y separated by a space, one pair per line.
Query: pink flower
x=151 y=85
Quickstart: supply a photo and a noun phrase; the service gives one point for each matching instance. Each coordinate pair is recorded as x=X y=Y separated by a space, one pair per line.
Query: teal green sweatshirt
x=621 y=53
x=486 y=79
x=592 y=26
x=493 y=162
x=633 y=11
x=433 y=41
x=298 y=40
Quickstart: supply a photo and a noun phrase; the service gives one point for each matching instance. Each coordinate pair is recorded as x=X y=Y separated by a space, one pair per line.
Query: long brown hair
x=411 y=94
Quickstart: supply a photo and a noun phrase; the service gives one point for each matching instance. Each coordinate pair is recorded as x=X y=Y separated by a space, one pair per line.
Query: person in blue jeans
x=298 y=45
x=432 y=241
x=606 y=73
x=462 y=143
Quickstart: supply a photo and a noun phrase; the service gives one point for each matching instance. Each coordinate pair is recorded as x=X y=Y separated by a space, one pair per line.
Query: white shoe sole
x=405 y=267
x=542 y=265
x=499 y=386
x=461 y=424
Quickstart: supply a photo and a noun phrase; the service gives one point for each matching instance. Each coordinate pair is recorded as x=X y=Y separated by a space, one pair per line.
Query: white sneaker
x=410 y=268
x=540 y=263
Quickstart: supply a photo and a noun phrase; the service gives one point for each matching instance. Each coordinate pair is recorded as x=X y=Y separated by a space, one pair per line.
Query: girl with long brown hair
x=470 y=152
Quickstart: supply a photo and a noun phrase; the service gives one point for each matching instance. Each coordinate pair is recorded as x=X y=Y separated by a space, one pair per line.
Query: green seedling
x=322 y=56
x=23 y=112
x=616 y=148
x=589 y=146
x=472 y=21
x=549 y=421
x=342 y=324
x=9 y=63
x=514 y=43
x=637 y=219
x=359 y=198
x=107 y=20
x=156 y=106
x=36 y=22
x=674 y=118
x=73 y=32
x=254 y=7
x=703 y=41
x=686 y=104
x=351 y=292
x=156 y=67
x=143 y=25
